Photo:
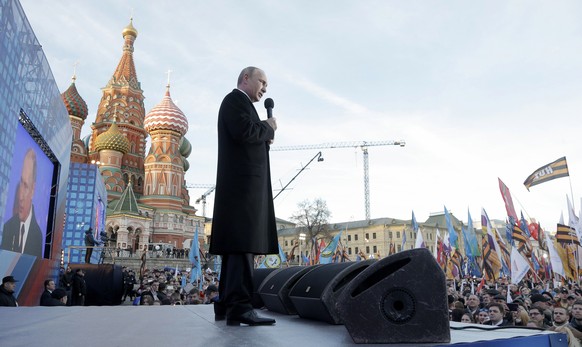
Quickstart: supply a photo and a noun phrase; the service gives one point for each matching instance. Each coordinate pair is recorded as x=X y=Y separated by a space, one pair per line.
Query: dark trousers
x=236 y=284
x=88 y=255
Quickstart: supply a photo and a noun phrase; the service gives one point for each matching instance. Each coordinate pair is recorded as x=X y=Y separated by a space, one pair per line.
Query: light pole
x=301 y=239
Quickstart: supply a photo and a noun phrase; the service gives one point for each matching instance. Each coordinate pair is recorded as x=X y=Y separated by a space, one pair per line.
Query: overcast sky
x=477 y=89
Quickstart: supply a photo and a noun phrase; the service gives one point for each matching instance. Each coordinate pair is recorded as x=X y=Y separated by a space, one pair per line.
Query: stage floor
x=194 y=325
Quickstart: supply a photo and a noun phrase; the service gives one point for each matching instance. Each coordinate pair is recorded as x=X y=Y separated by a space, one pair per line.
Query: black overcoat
x=244 y=217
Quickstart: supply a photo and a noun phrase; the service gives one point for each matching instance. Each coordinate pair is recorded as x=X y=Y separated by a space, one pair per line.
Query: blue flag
x=453 y=238
x=414 y=223
x=328 y=252
x=195 y=258
x=403 y=238
x=471 y=238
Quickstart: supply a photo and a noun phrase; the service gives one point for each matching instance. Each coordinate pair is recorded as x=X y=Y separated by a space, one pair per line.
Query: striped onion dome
x=74 y=103
x=112 y=139
x=166 y=116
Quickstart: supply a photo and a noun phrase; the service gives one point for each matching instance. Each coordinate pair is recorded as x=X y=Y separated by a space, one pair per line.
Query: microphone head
x=269 y=103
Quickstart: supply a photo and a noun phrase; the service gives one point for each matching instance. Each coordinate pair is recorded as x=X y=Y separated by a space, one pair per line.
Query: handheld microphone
x=269 y=104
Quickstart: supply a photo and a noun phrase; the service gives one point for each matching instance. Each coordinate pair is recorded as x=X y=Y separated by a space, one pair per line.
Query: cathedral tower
x=123 y=99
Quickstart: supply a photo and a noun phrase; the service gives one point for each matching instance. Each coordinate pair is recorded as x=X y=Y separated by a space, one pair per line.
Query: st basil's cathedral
x=147 y=198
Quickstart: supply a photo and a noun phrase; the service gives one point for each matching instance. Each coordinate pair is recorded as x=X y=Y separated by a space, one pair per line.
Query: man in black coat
x=7 y=292
x=22 y=233
x=46 y=298
x=79 y=288
x=244 y=217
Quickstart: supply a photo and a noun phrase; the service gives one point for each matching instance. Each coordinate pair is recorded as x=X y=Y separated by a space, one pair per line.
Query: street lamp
x=301 y=239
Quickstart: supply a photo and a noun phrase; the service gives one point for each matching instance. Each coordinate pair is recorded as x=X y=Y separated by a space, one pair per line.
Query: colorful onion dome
x=186 y=164
x=129 y=29
x=112 y=139
x=185 y=147
x=166 y=116
x=74 y=103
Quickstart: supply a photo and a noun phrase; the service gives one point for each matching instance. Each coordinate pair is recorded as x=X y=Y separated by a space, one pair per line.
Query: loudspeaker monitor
x=398 y=299
x=315 y=294
x=104 y=284
x=259 y=276
x=275 y=288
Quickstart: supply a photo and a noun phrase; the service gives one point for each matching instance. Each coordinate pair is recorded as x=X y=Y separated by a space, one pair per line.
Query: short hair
x=30 y=153
x=249 y=70
x=47 y=282
x=577 y=302
x=563 y=308
x=494 y=304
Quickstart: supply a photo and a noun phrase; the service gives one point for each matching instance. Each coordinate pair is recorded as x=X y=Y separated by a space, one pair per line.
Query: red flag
x=481 y=284
x=508 y=201
x=533 y=230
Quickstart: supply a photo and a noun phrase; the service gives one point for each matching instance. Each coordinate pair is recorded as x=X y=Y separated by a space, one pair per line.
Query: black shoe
x=219 y=311
x=250 y=318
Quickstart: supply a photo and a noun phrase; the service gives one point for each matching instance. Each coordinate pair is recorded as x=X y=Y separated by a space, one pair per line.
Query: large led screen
x=26 y=217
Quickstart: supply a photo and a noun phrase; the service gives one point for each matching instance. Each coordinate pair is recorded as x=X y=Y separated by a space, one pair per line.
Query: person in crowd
x=473 y=304
x=537 y=318
x=211 y=294
x=153 y=292
x=467 y=318
x=59 y=295
x=576 y=321
x=521 y=317
x=561 y=298
x=7 y=292
x=243 y=179
x=46 y=298
x=483 y=316
x=90 y=242
x=66 y=282
x=496 y=314
x=79 y=291
x=561 y=324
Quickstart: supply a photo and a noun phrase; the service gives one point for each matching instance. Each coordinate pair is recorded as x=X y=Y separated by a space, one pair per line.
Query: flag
x=506 y=195
x=453 y=239
x=555 y=259
x=326 y=255
x=472 y=266
x=481 y=285
x=471 y=238
x=273 y=261
x=573 y=220
x=521 y=241
x=566 y=235
x=392 y=249
x=194 y=256
x=491 y=257
x=414 y=223
x=519 y=266
x=419 y=243
x=553 y=170
x=403 y=238
x=504 y=251
x=439 y=250
x=524 y=225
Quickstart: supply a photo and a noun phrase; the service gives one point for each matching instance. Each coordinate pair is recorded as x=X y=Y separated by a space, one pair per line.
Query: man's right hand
x=272 y=122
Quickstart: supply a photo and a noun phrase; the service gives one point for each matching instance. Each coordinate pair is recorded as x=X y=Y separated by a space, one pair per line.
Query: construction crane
x=363 y=145
x=203 y=197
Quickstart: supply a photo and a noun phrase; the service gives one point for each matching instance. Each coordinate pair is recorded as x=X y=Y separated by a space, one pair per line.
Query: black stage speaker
x=275 y=288
x=259 y=276
x=315 y=294
x=104 y=284
x=398 y=299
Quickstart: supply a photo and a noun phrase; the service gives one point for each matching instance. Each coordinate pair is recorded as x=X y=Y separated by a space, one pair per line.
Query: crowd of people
x=529 y=304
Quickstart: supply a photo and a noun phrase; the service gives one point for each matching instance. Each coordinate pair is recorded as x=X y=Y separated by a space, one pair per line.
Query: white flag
x=519 y=266
x=555 y=260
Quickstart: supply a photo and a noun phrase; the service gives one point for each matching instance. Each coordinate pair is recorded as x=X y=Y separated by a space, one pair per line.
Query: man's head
x=473 y=302
x=253 y=82
x=49 y=285
x=496 y=312
x=540 y=300
x=60 y=294
x=561 y=315
x=79 y=272
x=536 y=315
x=9 y=284
x=27 y=185
x=577 y=310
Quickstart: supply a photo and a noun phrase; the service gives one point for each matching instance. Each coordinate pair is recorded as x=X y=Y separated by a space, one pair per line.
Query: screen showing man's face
x=26 y=188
